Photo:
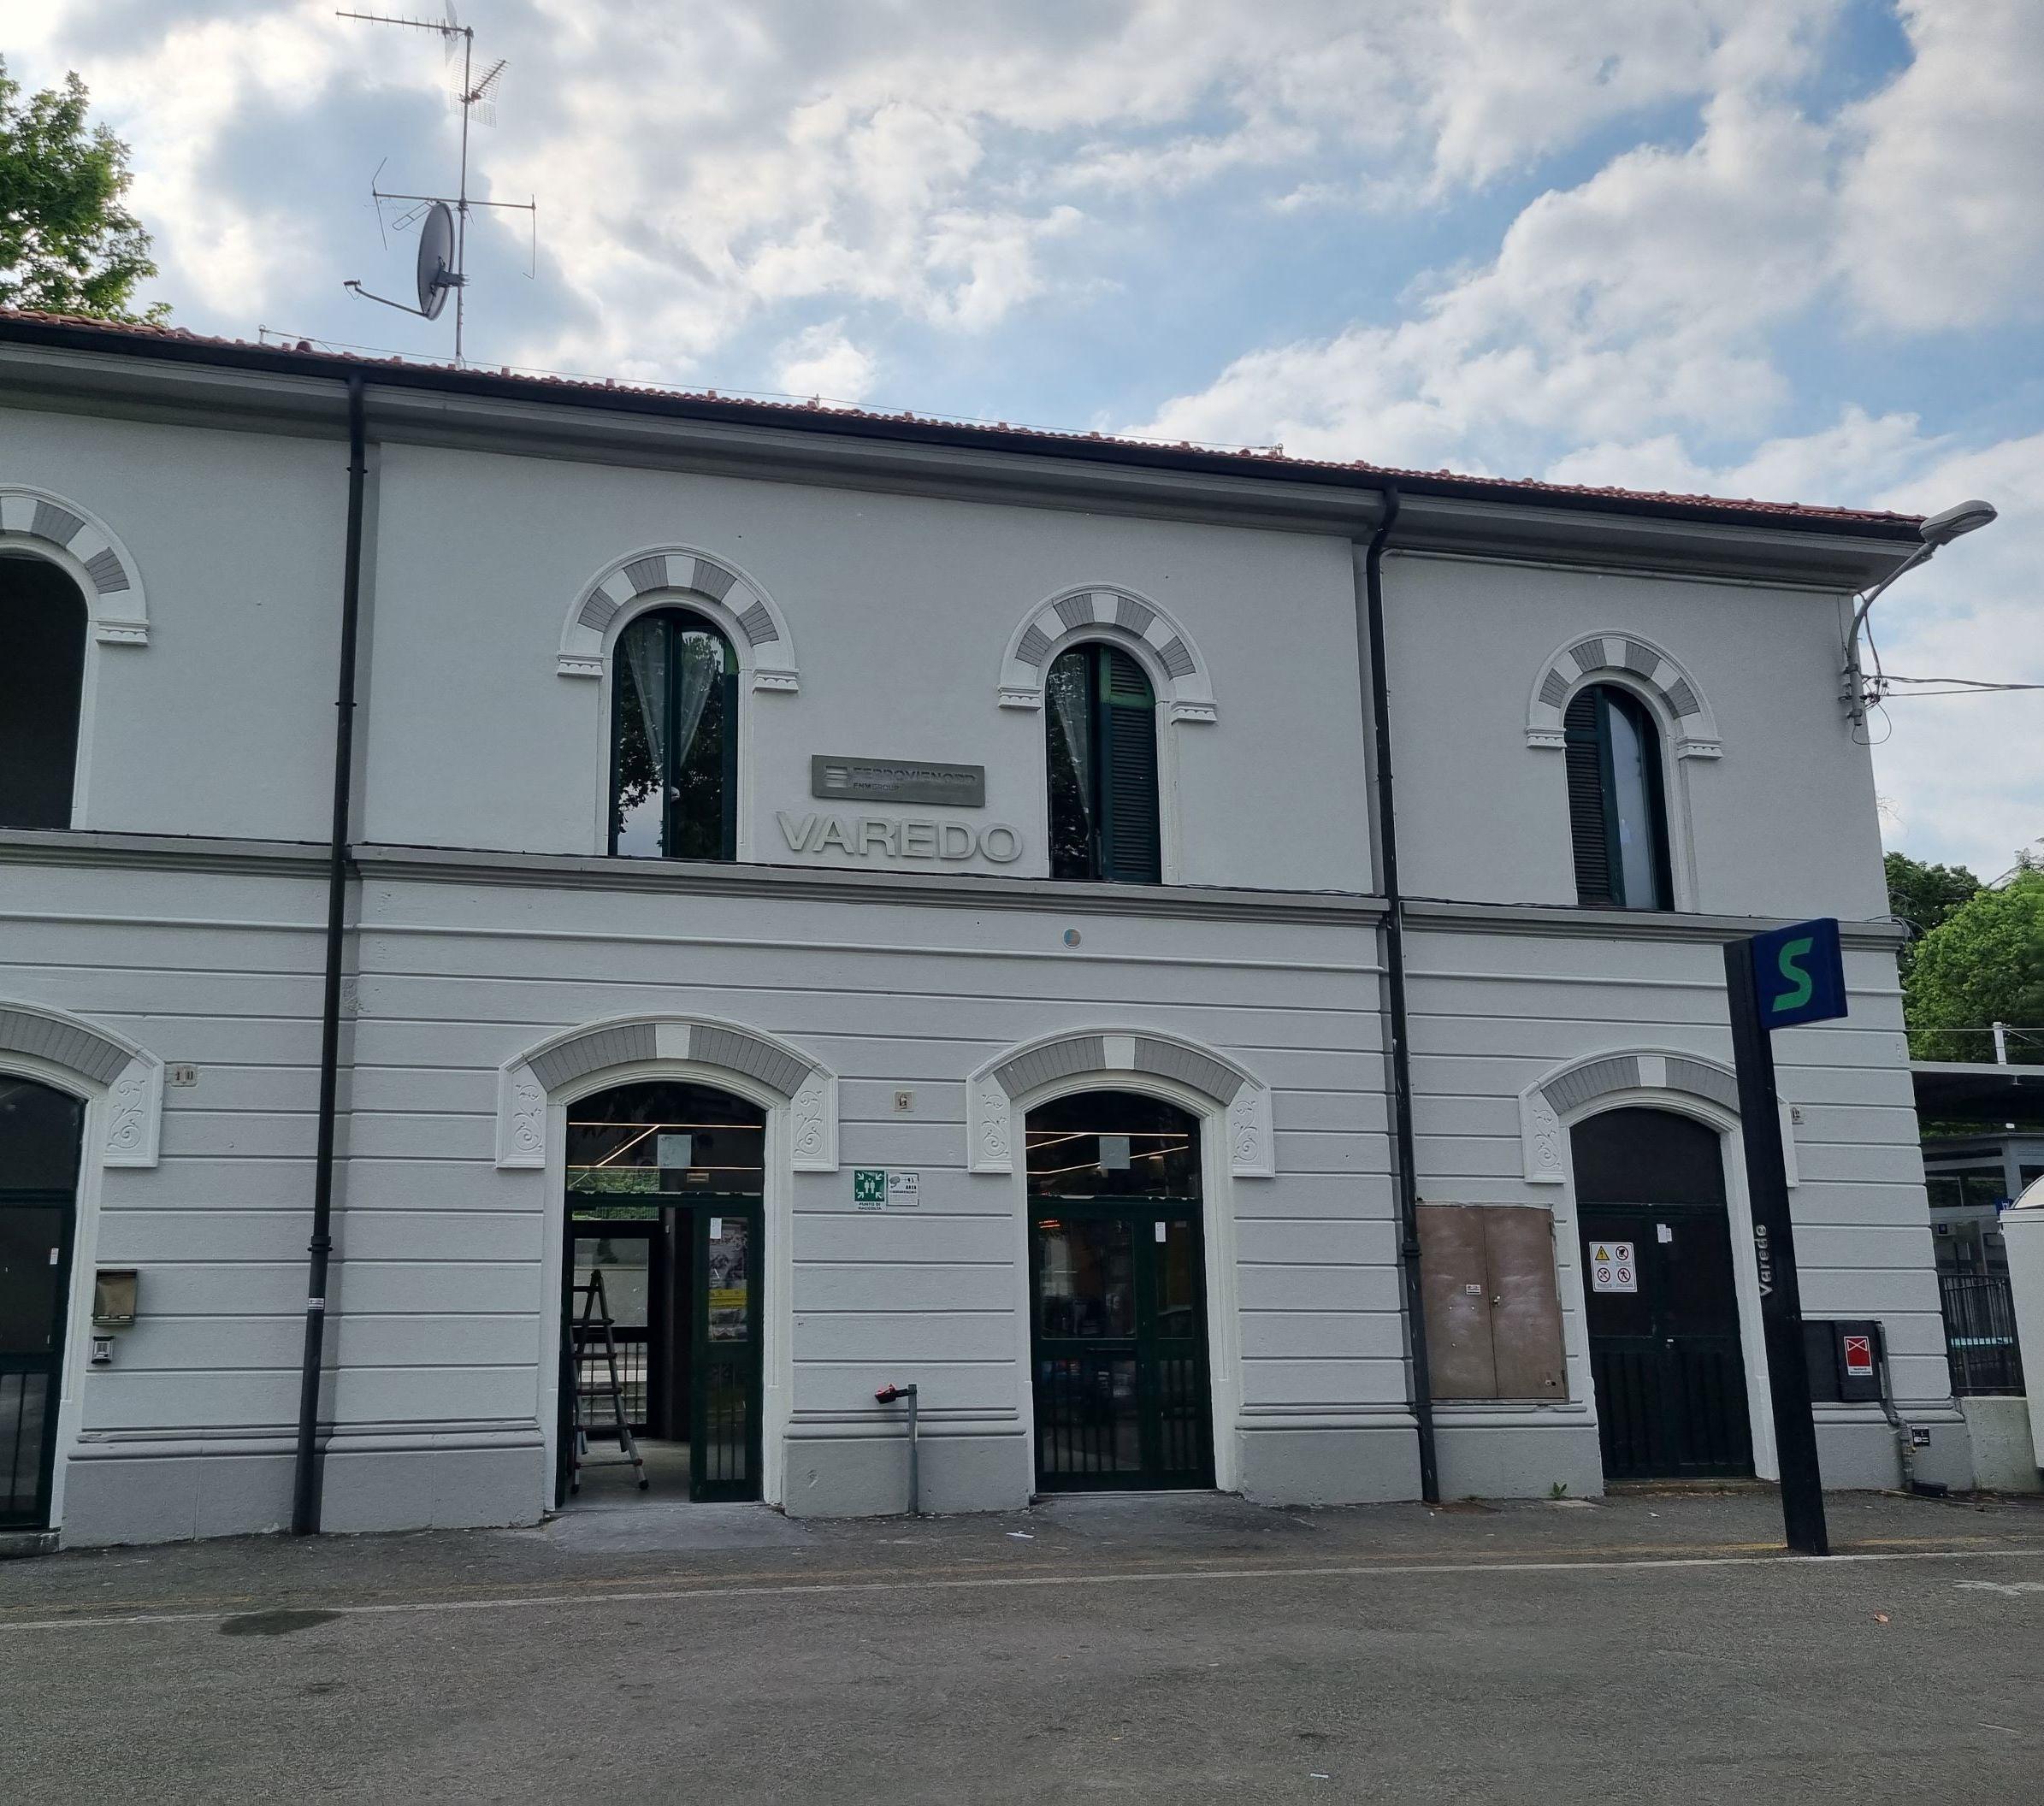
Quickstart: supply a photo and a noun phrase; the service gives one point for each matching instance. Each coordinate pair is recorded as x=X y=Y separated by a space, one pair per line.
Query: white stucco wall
x=222 y=724
x=900 y=609
x=1783 y=824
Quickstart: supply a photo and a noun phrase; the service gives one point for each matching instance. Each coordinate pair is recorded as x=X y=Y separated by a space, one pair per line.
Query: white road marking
x=2014 y=1590
x=1358 y=1570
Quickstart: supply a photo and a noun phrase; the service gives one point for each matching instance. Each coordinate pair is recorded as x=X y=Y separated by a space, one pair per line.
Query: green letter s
x=1793 y=951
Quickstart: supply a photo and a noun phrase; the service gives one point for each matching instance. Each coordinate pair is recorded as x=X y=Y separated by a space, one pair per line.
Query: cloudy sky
x=1784 y=248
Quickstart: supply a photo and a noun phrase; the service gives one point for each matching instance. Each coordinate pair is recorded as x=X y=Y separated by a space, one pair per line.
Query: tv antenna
x=443 y=220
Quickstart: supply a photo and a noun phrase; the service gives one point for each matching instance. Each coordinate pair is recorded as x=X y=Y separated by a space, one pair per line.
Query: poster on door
x=1611 y=1268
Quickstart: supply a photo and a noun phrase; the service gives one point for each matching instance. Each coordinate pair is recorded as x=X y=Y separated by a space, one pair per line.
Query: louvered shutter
x=1589 y=814
x=1131 y=844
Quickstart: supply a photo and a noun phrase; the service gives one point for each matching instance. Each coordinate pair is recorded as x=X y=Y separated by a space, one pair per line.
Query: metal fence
x=1980 y=1333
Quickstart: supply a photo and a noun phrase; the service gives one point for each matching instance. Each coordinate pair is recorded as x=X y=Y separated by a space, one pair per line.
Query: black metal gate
x=1119 y=1346
x=1980 y=1333
x=36 y=1232
x=1665 y=1348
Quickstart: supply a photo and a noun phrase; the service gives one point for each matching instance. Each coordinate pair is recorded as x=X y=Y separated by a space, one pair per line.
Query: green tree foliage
x=67 y=243
x=1983 y=964
x=1924 y=895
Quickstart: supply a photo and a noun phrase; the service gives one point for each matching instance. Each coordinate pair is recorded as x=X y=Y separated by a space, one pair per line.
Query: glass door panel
x=725 y=1429
x=622 y=1255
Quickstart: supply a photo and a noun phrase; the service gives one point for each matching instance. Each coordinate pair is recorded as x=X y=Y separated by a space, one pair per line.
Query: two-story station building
x=1158 y=950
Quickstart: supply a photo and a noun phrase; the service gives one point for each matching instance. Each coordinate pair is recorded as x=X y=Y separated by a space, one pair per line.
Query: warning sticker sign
x=1612 y=1268
x=1859 y=1357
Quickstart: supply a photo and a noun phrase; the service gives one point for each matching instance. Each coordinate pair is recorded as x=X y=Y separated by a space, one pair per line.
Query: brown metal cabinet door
x=1454 y=1274
x=1526 y=1310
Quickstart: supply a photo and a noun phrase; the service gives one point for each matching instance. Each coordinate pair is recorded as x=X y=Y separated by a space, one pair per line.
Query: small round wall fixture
x=1072 y=937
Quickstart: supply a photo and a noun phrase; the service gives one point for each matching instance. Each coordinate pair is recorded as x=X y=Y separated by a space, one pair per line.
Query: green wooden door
x=1119 y=1346
x=724 y=1404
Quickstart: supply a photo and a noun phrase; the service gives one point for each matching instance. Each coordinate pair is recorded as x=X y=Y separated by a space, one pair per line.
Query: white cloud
x=1964 y=775
x=1943 y=222
x=1636 y=301
x=822 y=362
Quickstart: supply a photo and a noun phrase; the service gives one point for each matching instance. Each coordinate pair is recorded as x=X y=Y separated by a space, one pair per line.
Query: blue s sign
x=1798 y=974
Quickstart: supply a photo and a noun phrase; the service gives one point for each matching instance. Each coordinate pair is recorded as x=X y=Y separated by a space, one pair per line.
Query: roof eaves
x=142 y=339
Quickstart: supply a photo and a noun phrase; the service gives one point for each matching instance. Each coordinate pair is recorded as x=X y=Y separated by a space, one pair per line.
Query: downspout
x=1387 y=822
x=305 y=1485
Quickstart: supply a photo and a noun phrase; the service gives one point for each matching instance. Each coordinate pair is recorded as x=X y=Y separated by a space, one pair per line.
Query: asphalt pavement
x=1654 y=1646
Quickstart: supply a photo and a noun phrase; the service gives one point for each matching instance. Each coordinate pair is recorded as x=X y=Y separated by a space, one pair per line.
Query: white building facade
x=925 y=889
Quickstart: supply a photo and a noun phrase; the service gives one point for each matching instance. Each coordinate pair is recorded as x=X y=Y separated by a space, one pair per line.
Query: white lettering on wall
x=869 y=836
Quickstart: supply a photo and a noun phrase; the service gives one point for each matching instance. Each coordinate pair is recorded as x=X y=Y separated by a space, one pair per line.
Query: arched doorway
x=1119 y=1358
x=1661 y=1300
x=661 y=1280
x=41 y=1129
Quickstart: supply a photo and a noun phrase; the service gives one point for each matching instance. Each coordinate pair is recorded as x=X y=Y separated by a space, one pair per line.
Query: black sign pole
x=1775 y=1255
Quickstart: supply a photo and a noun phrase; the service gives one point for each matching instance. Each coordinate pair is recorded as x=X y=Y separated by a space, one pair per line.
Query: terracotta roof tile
x=999 y=435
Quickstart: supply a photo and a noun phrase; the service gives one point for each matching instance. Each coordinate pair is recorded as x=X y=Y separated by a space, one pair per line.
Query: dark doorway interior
x=40 y=1132
x=661 y=1285
x=1118 y=1296
x=1662 y=1307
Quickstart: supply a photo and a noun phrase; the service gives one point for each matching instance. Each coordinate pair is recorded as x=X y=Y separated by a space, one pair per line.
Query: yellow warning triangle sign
x=1602 y=1254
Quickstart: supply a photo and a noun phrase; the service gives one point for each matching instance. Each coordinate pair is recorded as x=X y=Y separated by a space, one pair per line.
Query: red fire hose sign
x=1859 y=1357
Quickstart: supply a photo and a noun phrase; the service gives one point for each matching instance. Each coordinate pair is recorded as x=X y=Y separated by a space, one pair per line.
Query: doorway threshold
x=674 y=1524
x=15 y=1543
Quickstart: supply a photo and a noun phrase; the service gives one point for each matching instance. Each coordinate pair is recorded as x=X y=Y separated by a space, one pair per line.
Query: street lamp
x=1940 y=529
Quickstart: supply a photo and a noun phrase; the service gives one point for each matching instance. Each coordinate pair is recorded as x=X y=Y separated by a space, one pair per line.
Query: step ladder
x=596 y=1384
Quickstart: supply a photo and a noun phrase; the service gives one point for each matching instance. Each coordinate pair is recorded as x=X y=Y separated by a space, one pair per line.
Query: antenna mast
x=472 y=96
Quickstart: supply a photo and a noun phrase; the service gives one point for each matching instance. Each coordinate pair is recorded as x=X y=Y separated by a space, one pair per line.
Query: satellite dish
x=436 y=259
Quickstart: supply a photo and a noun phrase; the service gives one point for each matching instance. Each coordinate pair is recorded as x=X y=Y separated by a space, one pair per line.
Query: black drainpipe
x=1394 y=961
x=305 y=1485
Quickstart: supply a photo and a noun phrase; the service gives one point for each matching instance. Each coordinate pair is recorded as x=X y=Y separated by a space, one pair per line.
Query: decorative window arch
x=991 y=1091
x=685 y=577
x=1636 y=663
x=1578 y=1087
x=94 y=1062
x=526 y=1083
x=1121 y=617
x=87 y=550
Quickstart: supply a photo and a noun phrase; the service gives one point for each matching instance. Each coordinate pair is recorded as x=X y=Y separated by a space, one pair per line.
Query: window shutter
x=727 y=687
x=1131 y=846
x=1589 y=824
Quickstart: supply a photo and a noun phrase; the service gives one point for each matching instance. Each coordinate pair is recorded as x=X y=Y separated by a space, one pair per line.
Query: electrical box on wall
x=1493 y=1313
x=1844 y=1360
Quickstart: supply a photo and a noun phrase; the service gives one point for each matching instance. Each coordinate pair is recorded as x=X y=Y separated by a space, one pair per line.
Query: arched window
x=42 y=675
x=1102 y=722
x=1618 y=817
x=674 y=740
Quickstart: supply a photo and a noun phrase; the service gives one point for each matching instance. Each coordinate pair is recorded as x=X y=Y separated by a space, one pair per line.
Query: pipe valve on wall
x=888 y=1396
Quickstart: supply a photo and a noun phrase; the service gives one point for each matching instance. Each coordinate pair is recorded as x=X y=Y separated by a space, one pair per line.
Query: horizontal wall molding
x=1625 y=924
x=86 y=848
